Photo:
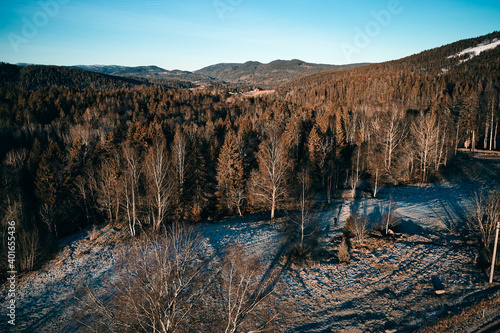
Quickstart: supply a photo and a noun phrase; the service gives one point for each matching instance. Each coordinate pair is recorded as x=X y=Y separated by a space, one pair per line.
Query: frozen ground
x=386 y=287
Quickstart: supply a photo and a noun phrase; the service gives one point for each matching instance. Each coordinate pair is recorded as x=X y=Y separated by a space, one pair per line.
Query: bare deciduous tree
x=304 y=218
x=424 y=132
x=268 y=183
x=157 y=170
x=484 y=215
x=179 y=157
x=106 y=186
x=355 y=172
x=246 y=290
x=393 y=133
x=170 y=284
x=357 y=226
x=131 y=176
x=159 y=287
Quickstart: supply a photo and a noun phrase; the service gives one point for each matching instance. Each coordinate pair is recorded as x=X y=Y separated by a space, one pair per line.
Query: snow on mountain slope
x=475 y=51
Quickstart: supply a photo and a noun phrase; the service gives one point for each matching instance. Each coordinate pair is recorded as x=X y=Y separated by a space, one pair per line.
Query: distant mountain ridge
x=272 y=74
x=38 y=76
x=148 y=72
x=250 y=73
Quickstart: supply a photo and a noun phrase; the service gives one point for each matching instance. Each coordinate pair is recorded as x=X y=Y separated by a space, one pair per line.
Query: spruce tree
x=230 y=174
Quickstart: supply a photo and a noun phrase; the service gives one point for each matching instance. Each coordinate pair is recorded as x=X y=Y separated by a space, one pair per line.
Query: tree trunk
x=492 y=124
x=273 y=203
x=473 y=143
x=486 y=132
x=495 y=138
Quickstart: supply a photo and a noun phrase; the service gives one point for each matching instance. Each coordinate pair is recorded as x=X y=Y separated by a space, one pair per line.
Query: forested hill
x=33 y=77
x=267 y=75
x=80 y=148
x=445 y=75
x=37 y=76
x=152 y=73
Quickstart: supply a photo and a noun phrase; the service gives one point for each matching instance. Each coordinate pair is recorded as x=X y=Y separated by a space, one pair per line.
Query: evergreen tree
x=230 y=175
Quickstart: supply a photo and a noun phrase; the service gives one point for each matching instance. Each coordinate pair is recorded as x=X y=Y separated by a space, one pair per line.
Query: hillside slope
x=267 y=75
x=37 y=76
x=438 y=63
x=149 y=72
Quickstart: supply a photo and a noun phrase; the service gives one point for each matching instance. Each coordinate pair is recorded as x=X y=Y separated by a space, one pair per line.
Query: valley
x=283 y=197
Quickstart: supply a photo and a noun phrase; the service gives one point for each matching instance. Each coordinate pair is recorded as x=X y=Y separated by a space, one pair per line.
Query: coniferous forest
x=81 y=148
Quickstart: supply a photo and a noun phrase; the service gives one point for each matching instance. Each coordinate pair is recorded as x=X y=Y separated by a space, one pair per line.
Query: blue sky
x=192 y=34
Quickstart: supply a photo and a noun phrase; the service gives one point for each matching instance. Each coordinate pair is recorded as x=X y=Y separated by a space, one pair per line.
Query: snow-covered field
x=386 y=287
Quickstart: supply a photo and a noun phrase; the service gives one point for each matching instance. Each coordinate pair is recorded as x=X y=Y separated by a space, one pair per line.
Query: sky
x=189 y=35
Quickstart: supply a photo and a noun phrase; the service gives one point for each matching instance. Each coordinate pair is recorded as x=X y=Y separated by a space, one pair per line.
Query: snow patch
x=475 y=51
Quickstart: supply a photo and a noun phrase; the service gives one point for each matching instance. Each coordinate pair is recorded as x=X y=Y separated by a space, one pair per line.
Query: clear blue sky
x=189 y=35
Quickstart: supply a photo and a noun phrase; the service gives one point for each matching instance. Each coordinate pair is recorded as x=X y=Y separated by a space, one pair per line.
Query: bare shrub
x=343 y=252
x=357 y=227
x=93 y=233
x=301 y=254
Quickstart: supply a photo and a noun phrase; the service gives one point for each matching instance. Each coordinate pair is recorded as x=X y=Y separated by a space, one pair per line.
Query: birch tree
x=393 y=134
x=246 y=290
x=159 y=289
x=157 y=169
x=131 y=176
x=305 y=219
x=107 y=188
x=268 y=182
x=179 y=158
x=424 y=133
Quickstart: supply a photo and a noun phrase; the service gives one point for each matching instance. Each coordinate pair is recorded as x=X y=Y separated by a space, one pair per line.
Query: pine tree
x=195 y=183
x=230 y=174
x=313 y=149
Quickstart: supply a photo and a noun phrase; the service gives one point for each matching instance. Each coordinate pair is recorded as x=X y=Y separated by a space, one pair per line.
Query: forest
x=82 y=148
